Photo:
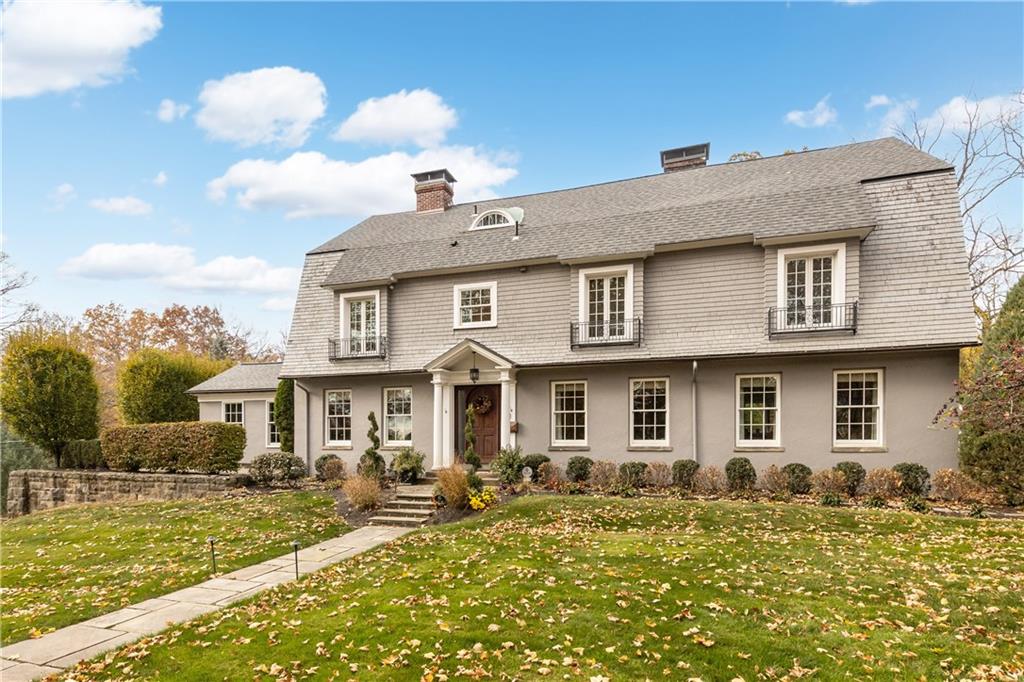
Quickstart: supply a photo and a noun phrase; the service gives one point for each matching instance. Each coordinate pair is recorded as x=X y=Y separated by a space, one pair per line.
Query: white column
x=513 y=437
x=507 y=407
x=446 y=440
x=438 y=382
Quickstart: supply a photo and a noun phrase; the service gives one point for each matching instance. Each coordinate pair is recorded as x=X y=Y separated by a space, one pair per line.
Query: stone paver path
x=49 y=654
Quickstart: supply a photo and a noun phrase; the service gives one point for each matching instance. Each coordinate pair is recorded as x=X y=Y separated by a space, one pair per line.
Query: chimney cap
x=431 y=176
x=700 y=151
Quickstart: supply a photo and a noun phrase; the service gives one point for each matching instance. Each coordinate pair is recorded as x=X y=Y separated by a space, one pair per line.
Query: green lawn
x=66 y=565
x=587 y=588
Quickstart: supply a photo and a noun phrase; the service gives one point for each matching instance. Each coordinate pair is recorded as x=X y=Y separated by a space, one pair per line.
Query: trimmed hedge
x=83 y=454
x=206 y=447
x=277 y=467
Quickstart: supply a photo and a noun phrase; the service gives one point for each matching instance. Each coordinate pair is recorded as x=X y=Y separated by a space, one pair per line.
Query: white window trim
x=586 y=414
x=668 y=414
x=777 y=441
x=267 y=416
x=384 y=411
x=343 y=311
x=457 y=290
x=327 y=419
x=224 y=410
x=836 y=250
x=878 y=442
x=583 y=307
x=476 y=221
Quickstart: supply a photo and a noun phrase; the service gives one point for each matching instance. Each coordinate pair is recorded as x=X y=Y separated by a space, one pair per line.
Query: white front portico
x=455 y=374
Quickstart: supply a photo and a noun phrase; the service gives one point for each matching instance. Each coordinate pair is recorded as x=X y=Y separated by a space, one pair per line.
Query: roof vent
x=680 y=158
x=434 y=190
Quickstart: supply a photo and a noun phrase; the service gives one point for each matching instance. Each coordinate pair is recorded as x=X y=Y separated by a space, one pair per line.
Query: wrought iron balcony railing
x=605 y=333
x=357 y=347
x=803 y=319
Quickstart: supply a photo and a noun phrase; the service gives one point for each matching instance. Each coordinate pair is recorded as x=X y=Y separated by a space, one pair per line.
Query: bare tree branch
x=13 y=313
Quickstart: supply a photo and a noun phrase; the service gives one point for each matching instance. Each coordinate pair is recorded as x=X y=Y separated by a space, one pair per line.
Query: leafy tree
x=47 y=392
x=472 y=459
x=284 y=413
x=1007 y=328
x=152 y=385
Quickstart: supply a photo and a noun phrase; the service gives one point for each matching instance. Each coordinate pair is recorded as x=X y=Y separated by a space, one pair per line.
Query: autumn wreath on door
x=482 y=404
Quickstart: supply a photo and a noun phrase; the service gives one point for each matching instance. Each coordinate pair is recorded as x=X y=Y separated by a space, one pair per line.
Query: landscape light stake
x=213 y=554
x=295 y=548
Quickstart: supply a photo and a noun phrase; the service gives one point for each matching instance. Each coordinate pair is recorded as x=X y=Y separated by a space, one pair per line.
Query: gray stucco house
x=801 y=308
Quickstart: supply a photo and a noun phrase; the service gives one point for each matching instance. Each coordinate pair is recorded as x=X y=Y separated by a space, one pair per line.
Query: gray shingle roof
x=247 y=376
x=800 y=193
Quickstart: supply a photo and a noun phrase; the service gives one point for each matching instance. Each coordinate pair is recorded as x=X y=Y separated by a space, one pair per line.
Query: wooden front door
x=487 y=401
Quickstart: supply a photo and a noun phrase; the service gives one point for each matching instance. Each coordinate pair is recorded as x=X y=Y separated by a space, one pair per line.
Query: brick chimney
x=434 y=190
x=681 y=158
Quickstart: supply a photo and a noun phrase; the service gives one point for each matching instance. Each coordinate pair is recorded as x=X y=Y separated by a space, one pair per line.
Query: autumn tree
x=152 y=385
x=48 y=392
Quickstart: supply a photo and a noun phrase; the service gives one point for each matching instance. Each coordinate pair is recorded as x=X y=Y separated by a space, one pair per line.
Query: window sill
x=462 y=327
x=337 y=446
x=755 y=448
x=568 y=448
x=859 y=448
x=649 y=448
x=395 y=446
x=273 y=446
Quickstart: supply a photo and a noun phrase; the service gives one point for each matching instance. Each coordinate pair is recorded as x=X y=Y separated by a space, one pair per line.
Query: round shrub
x=578 y=468
x=683 y=471
x=534 y=461
x=855 y=474
x=799 y=476
x=277 y=467
x=334 y=470
x=321 y=461
x=407 y=465
x=631 y=474
x=508 y=465
x=740 y=475
x=913 y=479
x=372 y=465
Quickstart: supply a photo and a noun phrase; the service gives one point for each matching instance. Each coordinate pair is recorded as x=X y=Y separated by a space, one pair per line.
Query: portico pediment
x=468 y=353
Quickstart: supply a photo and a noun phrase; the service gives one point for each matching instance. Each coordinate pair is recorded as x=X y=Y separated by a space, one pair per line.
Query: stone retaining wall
x=32 y=489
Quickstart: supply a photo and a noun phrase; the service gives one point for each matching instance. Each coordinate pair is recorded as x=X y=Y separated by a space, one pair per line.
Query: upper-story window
x=476 y=305
x=359 y=323
x=812 y=286
x=606 y=303
x=489 y=219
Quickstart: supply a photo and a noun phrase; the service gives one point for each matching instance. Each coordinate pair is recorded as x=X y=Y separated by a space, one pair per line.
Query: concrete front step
x=406 y=521
x=411 y=504
x=394 y=510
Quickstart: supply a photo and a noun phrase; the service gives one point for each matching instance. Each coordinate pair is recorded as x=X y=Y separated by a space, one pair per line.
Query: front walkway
x=51 y=653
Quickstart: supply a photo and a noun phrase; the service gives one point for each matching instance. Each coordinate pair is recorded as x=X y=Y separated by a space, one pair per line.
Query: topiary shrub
x=407 y=465
x=534 y=461
x=277 y=467
x=508 y=465
x=913 y=479
x=206 y=447
x=603 y=475
x=740 y=475
x=799 y=476
x=372 y=465
x=318 y=464
x=631 y=474
x=470 y=456
x=84 y=454
x=658 y=475
x=683 y=471
x=578 y=468
x=855 y=474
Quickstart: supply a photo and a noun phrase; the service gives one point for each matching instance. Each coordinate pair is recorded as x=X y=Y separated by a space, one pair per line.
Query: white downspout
x=693 y=410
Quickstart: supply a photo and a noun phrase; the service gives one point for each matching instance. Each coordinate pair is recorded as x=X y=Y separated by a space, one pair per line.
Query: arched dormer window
x=491 y=219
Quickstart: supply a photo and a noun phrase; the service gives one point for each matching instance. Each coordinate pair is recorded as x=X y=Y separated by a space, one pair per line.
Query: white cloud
x=821 y=115
x=51 y=46
x=955 y=115
x=161 y=179
x=896 y=116
x=309 y=184
x=278 y=304
x=170 y=111
x=176 y=267
x=417 y=116
x=62 y=195
x=878 y=101
x=275 y=105
x=122 y=206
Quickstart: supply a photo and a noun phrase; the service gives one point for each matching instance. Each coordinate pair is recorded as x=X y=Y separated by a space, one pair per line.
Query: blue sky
x=269 y=144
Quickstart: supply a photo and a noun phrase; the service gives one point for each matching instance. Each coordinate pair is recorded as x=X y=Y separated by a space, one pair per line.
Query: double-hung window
x=338 y=415
x=606 y=303
x=648 y=415
x=397 y=416
x=757 y=410
x=812 y=286
x=234 y=413
x=475 y=305
x=273 y=435
x=857 y=408
x=359 y=323
x=569 y=413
